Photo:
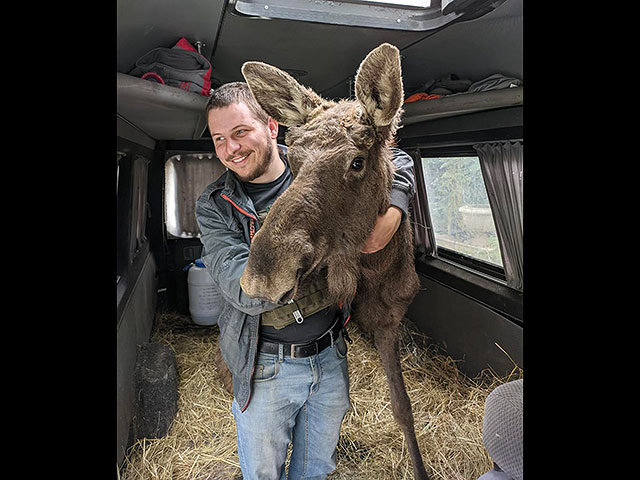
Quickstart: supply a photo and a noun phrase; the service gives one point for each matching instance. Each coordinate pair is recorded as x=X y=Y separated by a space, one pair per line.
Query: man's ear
x=378 y=84
x=280 y=95
x=272 y=125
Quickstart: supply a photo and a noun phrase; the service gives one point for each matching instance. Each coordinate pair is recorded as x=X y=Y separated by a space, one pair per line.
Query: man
x=278 y=398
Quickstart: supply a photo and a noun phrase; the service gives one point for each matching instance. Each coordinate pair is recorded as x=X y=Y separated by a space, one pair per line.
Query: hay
x=448 y=409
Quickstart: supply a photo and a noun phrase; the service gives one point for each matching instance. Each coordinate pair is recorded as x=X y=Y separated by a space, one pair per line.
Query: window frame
x=458 y=133
x=449 y=268
x=123 y=222
x=475 y=265
x=171 y=189
x=357 y=13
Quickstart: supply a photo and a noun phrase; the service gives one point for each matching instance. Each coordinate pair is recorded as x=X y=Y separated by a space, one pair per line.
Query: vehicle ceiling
x=329 y=54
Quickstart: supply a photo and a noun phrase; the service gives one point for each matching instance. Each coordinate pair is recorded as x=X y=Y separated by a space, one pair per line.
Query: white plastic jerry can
x=205 y=300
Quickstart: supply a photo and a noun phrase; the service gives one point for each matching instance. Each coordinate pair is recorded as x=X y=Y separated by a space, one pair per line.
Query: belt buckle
x=294 y=345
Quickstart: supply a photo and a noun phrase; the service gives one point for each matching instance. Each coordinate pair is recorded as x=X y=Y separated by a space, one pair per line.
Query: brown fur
x=325 y=216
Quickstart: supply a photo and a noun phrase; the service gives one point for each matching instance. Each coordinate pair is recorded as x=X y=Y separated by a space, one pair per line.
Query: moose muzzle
x=276 y=266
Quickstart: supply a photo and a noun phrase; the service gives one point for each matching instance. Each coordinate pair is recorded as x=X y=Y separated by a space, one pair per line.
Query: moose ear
x=378 y=84
x=279 y=94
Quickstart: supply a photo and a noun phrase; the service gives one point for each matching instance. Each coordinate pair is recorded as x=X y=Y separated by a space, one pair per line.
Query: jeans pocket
x=267 y=368
x=341 y=347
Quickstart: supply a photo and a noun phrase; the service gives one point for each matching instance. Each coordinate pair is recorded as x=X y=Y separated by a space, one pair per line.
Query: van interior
x=462 y=64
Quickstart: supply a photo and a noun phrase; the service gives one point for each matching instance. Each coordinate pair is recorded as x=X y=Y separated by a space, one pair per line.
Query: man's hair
x=235 y=92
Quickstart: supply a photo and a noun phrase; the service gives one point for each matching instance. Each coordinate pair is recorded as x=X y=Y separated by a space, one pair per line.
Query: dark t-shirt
x=263 y=195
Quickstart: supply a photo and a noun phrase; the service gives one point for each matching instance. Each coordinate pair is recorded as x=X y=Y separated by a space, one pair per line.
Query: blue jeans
x=298 y=400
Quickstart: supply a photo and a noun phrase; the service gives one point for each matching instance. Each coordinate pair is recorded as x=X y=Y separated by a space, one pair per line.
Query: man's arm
x=402 y=191
x=225 y=254
x=404 y=182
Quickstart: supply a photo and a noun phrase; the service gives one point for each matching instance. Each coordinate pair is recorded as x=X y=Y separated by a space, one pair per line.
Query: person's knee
x=261 y=451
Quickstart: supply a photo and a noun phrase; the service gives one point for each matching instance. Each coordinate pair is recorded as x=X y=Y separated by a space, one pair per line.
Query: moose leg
x=387 y=344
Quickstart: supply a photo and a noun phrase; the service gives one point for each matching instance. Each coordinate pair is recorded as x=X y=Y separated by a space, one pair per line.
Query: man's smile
x=239 y=161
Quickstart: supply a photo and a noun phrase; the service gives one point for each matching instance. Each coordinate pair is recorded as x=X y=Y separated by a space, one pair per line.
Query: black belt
x=303 y=350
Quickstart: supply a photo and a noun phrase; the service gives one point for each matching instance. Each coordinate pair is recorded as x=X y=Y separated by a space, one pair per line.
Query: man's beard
x=262 y=165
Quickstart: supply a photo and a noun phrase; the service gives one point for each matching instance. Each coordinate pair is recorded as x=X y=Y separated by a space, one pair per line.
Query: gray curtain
x=423 y=236
x=501 y=165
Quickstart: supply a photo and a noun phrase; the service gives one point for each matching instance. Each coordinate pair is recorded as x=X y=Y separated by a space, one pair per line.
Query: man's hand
x=383 y=230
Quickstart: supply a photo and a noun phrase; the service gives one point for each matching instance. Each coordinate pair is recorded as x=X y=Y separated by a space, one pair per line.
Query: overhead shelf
x=161 y=111
x=168 y=113
x=460 y=104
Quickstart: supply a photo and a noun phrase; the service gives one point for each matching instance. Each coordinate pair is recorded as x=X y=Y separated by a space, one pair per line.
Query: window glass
x=459 y=207
x=186 y=177
x=410 y=15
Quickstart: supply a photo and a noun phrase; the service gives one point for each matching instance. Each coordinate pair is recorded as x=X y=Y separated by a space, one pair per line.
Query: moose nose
x=274 y=270
x=301 y=273
x=258 y=286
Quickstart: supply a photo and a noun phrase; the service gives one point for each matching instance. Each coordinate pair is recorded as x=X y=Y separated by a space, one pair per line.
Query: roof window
x=414 y=15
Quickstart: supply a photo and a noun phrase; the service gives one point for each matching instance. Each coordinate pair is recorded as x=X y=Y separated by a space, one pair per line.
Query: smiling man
x=290 y=378
x=244 y=145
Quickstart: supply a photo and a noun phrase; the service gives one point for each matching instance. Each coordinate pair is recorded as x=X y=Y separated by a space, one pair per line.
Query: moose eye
x=357 y=164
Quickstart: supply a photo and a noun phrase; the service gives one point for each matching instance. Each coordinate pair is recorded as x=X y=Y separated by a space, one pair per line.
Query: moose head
x=340 y=157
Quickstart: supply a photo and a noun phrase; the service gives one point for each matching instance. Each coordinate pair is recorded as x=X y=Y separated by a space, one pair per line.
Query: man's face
x=242 y=142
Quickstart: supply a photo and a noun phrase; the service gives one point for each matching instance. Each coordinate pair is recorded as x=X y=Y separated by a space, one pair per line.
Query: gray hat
x=502 y=427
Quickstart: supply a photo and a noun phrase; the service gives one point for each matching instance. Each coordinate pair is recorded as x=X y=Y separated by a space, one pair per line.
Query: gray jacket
x=225 y=215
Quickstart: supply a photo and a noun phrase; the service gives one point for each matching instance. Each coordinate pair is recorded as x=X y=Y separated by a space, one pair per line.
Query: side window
x=186 y=177
x=461 y=217
x=409 y=15
x=468 y=208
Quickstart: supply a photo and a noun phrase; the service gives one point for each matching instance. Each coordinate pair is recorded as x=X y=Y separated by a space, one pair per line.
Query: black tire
x=156 y=401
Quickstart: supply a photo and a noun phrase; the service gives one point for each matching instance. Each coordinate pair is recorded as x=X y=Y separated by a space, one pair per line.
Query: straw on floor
x=447 y=406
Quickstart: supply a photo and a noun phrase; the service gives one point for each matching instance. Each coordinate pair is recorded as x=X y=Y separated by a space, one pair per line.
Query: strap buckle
x=296 y=313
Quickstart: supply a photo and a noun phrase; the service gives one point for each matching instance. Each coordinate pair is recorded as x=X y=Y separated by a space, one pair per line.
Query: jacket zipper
x=252 y=223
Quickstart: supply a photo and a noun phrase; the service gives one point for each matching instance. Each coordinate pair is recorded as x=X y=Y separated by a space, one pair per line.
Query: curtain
x=423 y=236
x=501 y=165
